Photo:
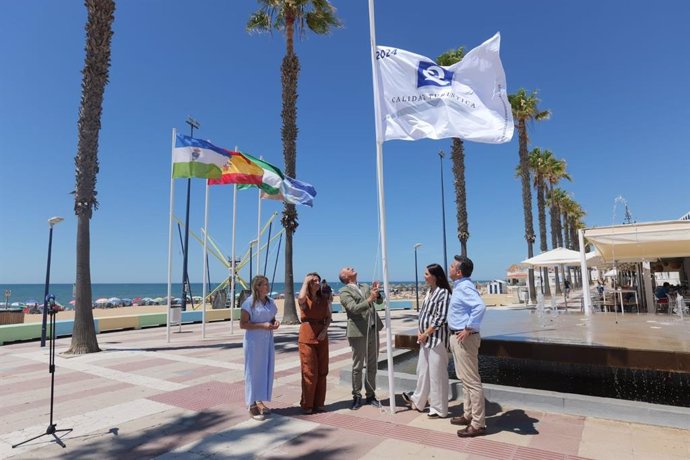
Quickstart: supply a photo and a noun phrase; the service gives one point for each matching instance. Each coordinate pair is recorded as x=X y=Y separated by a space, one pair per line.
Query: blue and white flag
x=293 y=191
x=420 y=99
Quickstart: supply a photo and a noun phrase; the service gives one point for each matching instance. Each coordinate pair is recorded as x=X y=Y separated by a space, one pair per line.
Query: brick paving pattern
x=145 y=398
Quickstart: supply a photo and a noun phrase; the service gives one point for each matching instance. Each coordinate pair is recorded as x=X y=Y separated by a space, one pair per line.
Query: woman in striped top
x=432 y=365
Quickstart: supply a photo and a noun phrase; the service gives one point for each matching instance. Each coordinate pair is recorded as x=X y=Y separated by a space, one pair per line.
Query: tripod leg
x=29 y=440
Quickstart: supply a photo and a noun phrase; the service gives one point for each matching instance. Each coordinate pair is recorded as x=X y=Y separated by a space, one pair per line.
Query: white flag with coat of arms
x=420 y=99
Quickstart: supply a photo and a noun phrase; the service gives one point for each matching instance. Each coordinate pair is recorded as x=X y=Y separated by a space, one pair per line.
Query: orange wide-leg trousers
x=314 y=359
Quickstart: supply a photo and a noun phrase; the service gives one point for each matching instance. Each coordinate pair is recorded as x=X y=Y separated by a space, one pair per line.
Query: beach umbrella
x=102 y=302
x=137 y=301
x=147 y=301
x=158 y=300
x=126 y=302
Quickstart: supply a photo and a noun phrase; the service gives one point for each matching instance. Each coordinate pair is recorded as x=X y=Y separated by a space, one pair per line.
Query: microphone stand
x=51 y=430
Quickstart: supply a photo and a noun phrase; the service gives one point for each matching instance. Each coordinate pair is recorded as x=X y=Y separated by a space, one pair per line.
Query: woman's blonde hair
x=255 y=287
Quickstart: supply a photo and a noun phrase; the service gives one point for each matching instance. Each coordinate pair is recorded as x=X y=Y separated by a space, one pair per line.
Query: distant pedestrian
x=465 y=315
x=258 y=318
x=313 y=342
x=432 y=336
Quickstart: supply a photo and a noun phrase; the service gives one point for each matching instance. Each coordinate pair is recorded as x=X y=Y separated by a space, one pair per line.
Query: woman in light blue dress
x=258 y=318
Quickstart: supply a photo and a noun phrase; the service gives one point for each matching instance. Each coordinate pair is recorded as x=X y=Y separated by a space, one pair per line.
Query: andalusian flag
x=239 y=170
x=294 y=191
x=198 y=158
x=277 y=186
x=271 y=178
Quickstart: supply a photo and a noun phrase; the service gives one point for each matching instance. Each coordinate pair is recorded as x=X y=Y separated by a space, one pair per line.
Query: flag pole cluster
x=201 y=159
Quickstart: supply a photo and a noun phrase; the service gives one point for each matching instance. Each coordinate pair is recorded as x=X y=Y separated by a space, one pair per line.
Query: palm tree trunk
x=553 y=211
x=99 y=32
x=458 y=158
x=526 y=199
x=84 y=333
x=541 y=208
x=566 y=232
x=290 y=74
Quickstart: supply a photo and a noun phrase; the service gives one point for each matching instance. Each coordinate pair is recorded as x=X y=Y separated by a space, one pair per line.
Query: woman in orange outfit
x=313 y=343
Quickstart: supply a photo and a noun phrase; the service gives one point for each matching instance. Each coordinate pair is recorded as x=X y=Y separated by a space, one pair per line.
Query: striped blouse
x=434 y=312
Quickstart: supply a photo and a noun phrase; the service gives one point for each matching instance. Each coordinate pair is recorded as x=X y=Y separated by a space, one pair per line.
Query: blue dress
x=259 y=352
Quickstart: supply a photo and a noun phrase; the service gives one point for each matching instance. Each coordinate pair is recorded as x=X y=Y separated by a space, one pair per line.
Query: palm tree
x=556 y=200
x=457 y=155
x=538 y=162
x=525 y=109
x=555 y=171
x=99 y=32
x=286 y=16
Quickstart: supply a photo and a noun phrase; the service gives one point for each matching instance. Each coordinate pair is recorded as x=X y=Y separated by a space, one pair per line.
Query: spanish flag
x=239 y=170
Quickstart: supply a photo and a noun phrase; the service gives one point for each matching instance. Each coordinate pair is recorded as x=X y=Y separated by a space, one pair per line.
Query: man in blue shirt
x=465 y=315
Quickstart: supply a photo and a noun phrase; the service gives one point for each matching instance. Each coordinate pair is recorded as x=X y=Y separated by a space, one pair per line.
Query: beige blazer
x=360 y=312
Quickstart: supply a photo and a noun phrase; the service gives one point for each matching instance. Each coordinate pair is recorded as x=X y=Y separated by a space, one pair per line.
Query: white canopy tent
x=640 y=242
x=560 y=256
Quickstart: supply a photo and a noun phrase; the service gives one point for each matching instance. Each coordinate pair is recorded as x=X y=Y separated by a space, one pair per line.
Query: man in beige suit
x=363 y=326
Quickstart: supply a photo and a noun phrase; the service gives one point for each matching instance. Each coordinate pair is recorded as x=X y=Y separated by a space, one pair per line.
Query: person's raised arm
x=349 y=303
x=302 y=297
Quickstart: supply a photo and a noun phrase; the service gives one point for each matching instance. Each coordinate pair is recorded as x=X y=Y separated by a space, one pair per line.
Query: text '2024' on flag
x=420 y=99
x=198 y=158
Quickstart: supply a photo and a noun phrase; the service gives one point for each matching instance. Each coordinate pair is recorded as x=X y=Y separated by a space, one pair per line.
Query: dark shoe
x=407 y=398
x=255 y=413
x=262 y=408
x=373 y=401
x=356 y=403
x=471 y=432
x=408 y=401
x=308 y=411
x=460 y=420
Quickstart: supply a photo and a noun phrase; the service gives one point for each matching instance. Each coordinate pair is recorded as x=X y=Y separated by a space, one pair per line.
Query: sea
x=33 y=293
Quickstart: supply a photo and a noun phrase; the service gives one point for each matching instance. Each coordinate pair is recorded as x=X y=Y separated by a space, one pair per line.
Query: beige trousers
x=465 y=356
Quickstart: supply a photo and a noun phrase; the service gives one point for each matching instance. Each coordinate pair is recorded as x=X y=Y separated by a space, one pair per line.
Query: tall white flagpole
x=232 y=263
x=170 y=233
x=204 y=289
x=382 y=207
x=586 y=293
x=258 y=234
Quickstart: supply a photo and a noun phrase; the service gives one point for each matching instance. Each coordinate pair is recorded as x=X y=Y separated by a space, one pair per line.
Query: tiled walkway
x=144 y=398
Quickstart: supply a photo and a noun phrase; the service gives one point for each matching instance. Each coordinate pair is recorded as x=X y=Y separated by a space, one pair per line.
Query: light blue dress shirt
x=466 y=306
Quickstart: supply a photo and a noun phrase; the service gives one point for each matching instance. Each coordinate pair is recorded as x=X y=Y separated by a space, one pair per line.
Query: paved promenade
x=144 y=398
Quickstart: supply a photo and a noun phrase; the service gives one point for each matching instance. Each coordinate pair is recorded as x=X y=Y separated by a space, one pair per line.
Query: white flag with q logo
x=420 y=99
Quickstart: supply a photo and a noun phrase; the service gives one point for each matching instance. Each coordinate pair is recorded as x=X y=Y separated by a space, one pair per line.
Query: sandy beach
x=489 y=299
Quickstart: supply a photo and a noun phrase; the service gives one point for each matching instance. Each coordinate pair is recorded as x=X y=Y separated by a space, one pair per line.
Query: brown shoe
x=255 y=413
x=462 y=420
x=471 y=432
x=262 y=408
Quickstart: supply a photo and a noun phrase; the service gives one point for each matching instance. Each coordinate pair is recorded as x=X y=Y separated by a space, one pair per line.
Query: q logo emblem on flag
x=431 y=74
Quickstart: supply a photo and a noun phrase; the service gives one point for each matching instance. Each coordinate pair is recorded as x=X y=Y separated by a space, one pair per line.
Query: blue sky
x=614 y=76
